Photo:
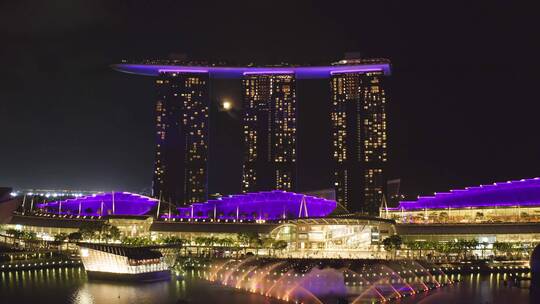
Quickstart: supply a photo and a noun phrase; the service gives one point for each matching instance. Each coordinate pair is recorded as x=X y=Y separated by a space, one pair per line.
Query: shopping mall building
x=305 y=222
x=500 y=212
x=311 y=226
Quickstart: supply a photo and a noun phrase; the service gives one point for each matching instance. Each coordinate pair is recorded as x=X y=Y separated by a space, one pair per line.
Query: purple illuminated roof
x=261 y=205
x=305 y=72
x=525 y=192
x=125 y=203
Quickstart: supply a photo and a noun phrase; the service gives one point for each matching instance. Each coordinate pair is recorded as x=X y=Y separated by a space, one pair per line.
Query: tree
x=268 y=243
x=257 y=243
x=226 y=242
x=29 y=235
x=501 y=247
x=136 y=241
x=280 y=245
x=112 y=233
x=14 y=233
x=74 y=237
x=243 y=238
x=172 y=240
x=61 y=237
x=393 y=243
x=471 y=245
x=90 y=230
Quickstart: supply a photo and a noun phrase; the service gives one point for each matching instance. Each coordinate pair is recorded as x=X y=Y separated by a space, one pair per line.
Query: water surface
x=70 y=286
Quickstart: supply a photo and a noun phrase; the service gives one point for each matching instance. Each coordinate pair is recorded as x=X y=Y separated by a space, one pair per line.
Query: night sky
x=463 y=107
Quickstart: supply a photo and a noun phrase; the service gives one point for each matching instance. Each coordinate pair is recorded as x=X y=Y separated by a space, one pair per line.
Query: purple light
x=268 y=72
x=125 y=203
x=525 y=192
x=301 y=72
x=270 y=205
x=354 y=71
x=183 y=71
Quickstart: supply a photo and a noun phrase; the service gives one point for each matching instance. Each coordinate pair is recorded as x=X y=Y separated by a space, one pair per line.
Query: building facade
x=269 y=132
x=507 y=202
x=182 y=123
x=359 y=139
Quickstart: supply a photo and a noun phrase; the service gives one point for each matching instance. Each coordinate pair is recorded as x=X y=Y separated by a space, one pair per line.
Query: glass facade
x=269 y=132
x=359 y=139
x=334 y=237
x=182 y=109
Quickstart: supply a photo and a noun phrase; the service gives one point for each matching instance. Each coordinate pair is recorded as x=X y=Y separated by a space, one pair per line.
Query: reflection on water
x=479 y=289
x=70 y=286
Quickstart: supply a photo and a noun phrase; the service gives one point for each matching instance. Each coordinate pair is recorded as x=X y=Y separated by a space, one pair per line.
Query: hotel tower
x=269 y=127
x=180 y=174
x=269 y=131
x=359 y=139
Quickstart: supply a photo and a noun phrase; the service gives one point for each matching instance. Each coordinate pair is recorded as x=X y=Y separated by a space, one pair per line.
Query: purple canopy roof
x=525 y=192
x=261 y=205
x=305 y=72
x=125 y=203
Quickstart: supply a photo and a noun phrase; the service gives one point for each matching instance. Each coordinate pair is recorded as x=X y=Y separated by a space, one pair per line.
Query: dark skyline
x=462 y=96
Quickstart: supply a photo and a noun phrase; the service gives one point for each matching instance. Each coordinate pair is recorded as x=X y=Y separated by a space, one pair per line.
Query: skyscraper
x=269 y=128
x=359 y=139
x=182 y=107
x=269 y=131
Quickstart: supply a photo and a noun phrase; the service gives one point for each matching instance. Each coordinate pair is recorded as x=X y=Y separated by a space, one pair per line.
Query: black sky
x=464 y=91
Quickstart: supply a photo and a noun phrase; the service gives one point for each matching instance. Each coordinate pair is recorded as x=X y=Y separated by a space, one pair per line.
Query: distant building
x=180 y=174
x=269 y=126
x=359 y=138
